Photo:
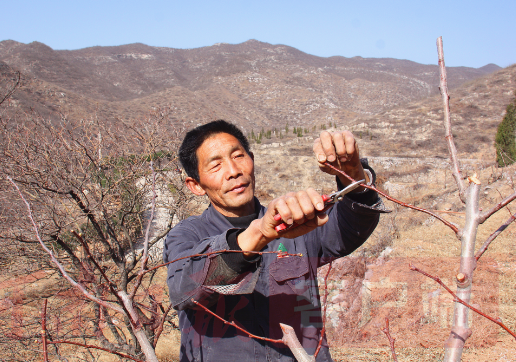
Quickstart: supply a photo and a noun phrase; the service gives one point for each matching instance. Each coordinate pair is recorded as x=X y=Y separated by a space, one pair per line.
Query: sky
x=475 y=33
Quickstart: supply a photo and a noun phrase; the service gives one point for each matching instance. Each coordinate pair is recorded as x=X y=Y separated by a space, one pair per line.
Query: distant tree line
x=281 y=133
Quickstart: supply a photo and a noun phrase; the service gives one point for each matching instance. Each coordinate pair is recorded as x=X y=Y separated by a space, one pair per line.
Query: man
x=258 y=292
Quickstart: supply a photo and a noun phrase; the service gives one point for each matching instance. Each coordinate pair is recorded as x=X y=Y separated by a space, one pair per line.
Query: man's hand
x=303 y=209
x=341 y=151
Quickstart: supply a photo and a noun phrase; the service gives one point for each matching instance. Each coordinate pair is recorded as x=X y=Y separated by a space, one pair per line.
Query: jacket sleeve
x=351 y=222
x=201 y=278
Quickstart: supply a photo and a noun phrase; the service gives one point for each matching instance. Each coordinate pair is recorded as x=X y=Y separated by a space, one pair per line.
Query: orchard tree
x=101 y=196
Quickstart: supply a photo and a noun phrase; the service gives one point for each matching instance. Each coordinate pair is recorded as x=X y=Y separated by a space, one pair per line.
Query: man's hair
x=195 y=138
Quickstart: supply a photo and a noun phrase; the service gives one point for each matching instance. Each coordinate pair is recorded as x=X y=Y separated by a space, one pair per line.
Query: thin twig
x=325 y=298
x=447 y=122
x=391 y=339
x=450 y=212
x=123 y=355
x=494 y=235
x=222 y=252
x=250 y=335
x=370 y=187
x=44 y=330
x=162 y=322
x=458 y=300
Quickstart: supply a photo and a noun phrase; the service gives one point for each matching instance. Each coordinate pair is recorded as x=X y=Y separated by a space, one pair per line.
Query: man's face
x=226 y=175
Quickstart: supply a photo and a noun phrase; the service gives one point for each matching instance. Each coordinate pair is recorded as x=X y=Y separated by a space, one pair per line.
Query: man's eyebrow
x=218 y=156
x=213 y=158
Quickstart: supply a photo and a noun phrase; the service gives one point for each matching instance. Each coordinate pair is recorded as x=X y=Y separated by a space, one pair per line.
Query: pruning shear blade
x=339 y=195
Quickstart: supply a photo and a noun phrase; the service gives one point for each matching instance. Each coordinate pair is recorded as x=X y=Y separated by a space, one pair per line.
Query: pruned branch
x=290 y=339
x=458 y=300
x=447 y=122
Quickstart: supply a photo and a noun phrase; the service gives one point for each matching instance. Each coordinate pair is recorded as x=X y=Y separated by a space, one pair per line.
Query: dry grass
x=422 y=324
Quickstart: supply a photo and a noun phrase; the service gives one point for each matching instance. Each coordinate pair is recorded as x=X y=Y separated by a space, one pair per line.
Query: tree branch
x=447 y=122
x=116 y=258
x=123 y=355
x=250 y=335
x=279 y=252
x=145 y=256
x=391 y=339
x=58 y=264
x=494 y=235
x=159 y=330
x=290 y=339
x=112 y=286
x=370 y=187
x=323 y=330
x=458 y=300
x=484 y=216
x=44 y=330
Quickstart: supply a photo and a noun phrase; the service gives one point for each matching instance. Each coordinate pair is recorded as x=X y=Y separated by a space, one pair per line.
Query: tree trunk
x=460 y=331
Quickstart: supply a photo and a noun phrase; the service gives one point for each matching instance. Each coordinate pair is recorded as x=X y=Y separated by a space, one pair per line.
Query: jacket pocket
x=289 y=275
x=291 y=267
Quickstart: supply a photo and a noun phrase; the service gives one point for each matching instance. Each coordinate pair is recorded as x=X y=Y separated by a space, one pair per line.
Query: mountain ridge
x=254 y=84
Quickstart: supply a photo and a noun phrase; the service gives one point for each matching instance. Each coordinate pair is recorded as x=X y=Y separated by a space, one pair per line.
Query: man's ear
x=194 y=186
x=252 y=155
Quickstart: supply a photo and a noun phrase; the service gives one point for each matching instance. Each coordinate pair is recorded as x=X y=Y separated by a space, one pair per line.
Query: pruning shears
x=329 y=200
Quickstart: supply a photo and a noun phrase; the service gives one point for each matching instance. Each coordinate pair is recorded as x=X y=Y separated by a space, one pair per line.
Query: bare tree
x=100 y=198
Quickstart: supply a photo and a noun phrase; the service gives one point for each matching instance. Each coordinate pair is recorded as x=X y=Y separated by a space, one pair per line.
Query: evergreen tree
x=505 y=137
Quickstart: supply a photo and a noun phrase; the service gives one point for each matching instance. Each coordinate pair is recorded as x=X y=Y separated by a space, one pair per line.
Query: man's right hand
x=302 y=208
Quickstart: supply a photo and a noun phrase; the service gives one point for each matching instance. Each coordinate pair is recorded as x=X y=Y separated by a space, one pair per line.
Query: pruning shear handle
x=328 y=201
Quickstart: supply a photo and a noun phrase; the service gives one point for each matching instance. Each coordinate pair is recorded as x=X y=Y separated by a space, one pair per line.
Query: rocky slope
x=254 y=84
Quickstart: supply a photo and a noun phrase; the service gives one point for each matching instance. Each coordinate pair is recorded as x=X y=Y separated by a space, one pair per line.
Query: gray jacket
x=271 y=291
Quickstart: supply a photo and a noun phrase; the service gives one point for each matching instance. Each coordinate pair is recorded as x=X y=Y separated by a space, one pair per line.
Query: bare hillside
x=254 y=84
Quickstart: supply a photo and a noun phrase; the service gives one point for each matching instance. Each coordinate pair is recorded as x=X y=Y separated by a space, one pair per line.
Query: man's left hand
x=341 y=151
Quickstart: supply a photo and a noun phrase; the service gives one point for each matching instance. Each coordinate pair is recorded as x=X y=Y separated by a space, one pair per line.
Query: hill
x=254 y=84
